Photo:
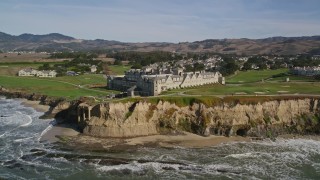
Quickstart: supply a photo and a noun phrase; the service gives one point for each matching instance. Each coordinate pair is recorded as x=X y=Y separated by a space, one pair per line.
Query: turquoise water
x=23 y=156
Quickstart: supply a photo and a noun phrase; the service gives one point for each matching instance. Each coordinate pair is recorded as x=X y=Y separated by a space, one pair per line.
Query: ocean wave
x=15 y=121
x=138 y=167
x=29 y=122
x=3 y=134
x=11 y=176
x=39 y=163
x=23 y=139
x=243 y=155
x=51 y=124
x=160 y=168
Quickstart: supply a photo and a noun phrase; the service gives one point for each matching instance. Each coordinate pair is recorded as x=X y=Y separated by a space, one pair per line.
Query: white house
x=27 y=72
x=93 y=68
x=46 y=73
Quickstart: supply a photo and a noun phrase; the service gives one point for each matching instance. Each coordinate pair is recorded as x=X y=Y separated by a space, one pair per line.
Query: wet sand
x=75 y=140
x=59 y=130
x=35 y=105
x=186 y=140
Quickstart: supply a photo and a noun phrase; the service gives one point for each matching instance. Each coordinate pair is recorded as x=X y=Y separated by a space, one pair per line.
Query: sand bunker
x=282 y=91
x=240 y=93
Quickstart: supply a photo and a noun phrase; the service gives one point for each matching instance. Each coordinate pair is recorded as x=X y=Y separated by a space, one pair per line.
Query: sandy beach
x=54 y=130
x=186 y=140
x=59 y=130
x=35 y=105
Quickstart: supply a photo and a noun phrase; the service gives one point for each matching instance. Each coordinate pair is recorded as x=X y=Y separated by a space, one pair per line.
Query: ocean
x=24 y=156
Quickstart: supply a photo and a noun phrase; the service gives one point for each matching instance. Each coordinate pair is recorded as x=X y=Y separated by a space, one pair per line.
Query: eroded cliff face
x=143 y=118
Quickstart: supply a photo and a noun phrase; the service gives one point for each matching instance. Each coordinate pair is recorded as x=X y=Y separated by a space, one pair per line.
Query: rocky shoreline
x=265 y=118
x=43 y=99
x=165 y=124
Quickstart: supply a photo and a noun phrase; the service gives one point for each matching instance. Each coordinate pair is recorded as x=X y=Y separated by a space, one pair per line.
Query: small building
x=28 y=72
x=47 y=73
x=93 y=68
x=71 y=73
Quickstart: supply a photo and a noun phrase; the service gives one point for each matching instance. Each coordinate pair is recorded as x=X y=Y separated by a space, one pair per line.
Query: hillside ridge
x=58 y=42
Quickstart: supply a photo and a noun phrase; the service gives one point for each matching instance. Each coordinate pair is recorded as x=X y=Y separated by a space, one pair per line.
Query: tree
x=60 y=72
x=189 y=68
x=45 y=66
x=136 y=66
x=198 y=67
x=305 y=60
x=316 y=77
x=228 y=68
x=231 y=67
x=117 y=62
x=247 y=66
x=262 y=66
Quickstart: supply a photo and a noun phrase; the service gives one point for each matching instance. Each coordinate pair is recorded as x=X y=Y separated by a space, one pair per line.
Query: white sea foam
x=243 y=155
x=166 y=157
x=160 y=168
x=23 y=139
x=52 y=123
x=42 y=164
x=12 y=176
x=3 y=134
x=28 y=123
x=213 y=168
x=61 y=159
x=15 y=121
x=139 y=167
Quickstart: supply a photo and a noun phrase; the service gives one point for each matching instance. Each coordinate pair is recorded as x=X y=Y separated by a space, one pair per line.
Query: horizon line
x=233 y=38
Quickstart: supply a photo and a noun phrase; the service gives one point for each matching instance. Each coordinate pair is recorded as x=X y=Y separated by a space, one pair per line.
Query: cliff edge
x=142 y=118
x=262 y=116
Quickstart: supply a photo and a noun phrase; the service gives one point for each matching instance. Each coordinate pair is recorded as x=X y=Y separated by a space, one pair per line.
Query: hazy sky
x=161 y=20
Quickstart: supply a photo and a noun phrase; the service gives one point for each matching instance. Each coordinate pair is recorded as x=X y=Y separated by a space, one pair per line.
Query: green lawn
x=72 y=87
x=119 y=70
x=293 y=78
x=65 y=86
x=258 y=88
x=50 y=87
x=86 y=79
x=253 y=75
x=267 y=88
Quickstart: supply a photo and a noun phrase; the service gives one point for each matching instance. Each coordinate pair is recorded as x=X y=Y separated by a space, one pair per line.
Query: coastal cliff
x=262 y=116
x=259 y=119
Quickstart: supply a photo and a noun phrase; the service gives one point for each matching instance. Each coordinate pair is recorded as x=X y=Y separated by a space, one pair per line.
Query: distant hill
x=44 y=38
x=58 y=42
